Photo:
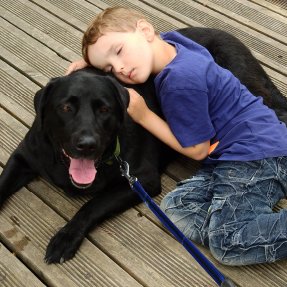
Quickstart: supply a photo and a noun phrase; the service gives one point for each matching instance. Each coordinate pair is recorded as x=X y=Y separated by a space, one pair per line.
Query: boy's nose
x=118 y=70
x=118 y=67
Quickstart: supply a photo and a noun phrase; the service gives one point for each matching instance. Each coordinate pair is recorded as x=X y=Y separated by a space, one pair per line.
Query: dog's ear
x=123 y=94
x=40 y=100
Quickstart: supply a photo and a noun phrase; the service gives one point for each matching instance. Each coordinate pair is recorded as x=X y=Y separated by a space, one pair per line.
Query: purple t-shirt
x=202 y=101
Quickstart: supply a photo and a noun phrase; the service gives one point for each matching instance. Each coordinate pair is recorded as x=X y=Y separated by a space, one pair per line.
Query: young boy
x=228 y=204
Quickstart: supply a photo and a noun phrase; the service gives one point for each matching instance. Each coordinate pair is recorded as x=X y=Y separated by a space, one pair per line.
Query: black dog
x=81 y=123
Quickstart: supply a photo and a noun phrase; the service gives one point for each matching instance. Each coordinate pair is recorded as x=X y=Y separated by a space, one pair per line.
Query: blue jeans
x=228 y=207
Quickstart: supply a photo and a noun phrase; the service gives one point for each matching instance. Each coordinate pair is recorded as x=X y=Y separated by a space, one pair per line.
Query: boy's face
x=128 y=55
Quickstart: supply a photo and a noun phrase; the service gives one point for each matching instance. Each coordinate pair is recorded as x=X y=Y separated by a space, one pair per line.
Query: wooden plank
x=34 y=59
x=11 y=134
x=13 y=273
x=78 y=13
x=17 y=93
x=252 y=15
x=46 y=28
x=162 y=20
x=278 y=6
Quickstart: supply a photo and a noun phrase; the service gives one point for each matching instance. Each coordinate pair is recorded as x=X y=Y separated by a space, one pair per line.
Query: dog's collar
x=116 y=153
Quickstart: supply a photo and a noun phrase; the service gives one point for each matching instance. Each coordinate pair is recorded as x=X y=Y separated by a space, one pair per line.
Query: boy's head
x=116 y=19
x=118 y=41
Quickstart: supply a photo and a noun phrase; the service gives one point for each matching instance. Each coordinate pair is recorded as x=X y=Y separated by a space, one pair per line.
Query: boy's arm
x=141 y=114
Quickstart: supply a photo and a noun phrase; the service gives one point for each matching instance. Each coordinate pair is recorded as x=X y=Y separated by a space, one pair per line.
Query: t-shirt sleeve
x=187 y=114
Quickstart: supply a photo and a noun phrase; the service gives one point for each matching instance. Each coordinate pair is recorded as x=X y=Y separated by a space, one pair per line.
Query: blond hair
x=115 y=19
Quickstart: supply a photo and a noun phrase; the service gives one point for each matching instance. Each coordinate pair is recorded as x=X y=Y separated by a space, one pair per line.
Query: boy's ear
x=146 y=28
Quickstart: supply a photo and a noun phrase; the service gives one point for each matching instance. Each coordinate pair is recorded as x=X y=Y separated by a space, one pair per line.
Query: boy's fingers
x=70 y=69
x=76 y=66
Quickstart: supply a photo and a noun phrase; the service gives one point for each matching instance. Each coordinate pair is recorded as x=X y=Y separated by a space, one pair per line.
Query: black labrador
x=81 y=125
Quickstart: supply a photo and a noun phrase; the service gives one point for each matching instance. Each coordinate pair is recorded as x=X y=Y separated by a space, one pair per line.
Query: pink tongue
x=83 y=171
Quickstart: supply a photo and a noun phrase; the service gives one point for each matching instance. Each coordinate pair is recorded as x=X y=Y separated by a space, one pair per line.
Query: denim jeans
x=228 y=207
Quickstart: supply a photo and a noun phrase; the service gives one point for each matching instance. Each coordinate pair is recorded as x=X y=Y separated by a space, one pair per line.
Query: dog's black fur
x=82 y=116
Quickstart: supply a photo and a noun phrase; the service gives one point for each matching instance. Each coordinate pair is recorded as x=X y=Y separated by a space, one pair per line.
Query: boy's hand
x=137 y=108
x=77 y=65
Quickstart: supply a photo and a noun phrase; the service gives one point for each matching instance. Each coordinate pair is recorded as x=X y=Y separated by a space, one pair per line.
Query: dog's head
x=82 y=114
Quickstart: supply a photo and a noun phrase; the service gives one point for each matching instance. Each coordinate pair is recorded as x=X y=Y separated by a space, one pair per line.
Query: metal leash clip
x=125 y=170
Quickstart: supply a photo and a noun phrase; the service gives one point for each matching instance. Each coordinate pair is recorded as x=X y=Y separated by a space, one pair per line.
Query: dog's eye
x=66 y=108
x=104 y=109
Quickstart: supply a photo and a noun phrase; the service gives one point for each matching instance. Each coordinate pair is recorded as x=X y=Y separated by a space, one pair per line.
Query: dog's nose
x=86 y=144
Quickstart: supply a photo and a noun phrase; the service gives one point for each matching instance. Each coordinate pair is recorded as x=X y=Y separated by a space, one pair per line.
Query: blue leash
x=216 y=275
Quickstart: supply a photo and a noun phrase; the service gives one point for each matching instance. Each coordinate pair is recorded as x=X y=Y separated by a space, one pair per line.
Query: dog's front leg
x=64 y=245
x=15 y=175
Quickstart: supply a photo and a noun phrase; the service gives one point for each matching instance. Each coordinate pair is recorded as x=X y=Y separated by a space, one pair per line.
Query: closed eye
x=119 y=50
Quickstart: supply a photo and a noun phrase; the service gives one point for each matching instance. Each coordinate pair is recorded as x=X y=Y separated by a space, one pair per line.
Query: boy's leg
x=243 y=229
x=187 y=206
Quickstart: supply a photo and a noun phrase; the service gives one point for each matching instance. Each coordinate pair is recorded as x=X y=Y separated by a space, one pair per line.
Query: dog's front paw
x=63 y=246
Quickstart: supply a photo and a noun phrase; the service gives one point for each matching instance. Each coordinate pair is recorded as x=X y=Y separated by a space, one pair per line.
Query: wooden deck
x=38 y=40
